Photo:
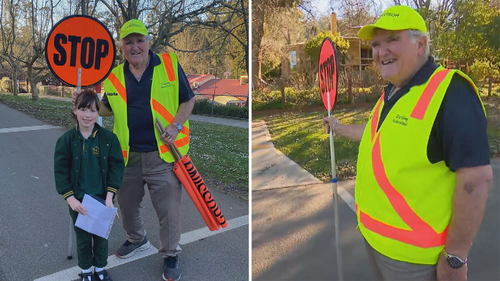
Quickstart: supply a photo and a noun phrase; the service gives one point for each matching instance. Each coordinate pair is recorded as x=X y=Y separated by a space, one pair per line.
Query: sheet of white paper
x=99 y=218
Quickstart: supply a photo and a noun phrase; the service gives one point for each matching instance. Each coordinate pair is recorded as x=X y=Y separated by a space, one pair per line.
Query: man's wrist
x=455 y=261
x=178 y=126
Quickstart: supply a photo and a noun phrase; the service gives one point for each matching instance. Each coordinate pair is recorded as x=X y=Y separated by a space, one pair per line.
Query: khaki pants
x=165 y=191
x=384 y=268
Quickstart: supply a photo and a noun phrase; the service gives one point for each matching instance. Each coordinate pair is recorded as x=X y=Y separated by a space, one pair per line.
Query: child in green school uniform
x=88 y=160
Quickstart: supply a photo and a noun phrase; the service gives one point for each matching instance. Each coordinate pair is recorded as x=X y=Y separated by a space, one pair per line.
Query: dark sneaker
x=105 y=276
x=171 y=271
x=86 y=276
x=128 y=248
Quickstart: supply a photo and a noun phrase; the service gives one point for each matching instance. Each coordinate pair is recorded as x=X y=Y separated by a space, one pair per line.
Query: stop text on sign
x=326 y=72
x=91 y=51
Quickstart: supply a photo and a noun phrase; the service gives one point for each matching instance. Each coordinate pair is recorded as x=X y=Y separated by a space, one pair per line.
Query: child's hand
x=76 y=206
x=109 y=201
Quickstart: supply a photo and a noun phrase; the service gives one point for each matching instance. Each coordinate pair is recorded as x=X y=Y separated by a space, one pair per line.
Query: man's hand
x=447 y=273
x=76 y=206
x=331 y=123
x=354 y=132
x=75 y=95
x=170 y=136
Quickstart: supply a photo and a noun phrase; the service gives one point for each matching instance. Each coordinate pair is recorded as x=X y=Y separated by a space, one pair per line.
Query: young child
x=88 y=160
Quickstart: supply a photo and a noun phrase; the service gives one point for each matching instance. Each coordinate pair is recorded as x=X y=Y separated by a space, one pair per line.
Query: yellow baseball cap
x=133 y=26
x=394 y=18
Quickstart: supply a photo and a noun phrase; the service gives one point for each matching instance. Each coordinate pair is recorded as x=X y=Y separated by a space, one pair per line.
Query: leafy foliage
x=6 y=84
x=468 y=33
x=480 y=70
x=313 y=46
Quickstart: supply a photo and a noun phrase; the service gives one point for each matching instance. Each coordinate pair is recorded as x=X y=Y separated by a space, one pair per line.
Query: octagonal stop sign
x=80 y=42
x=328 y=73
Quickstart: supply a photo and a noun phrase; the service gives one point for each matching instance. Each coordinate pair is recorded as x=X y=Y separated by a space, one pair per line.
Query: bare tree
x=9 y=12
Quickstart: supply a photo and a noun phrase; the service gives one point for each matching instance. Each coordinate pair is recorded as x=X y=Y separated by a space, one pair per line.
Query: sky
x=323 y=6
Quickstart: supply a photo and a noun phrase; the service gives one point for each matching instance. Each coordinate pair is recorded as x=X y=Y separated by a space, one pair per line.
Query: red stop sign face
x=80 y=42
x=328 y=73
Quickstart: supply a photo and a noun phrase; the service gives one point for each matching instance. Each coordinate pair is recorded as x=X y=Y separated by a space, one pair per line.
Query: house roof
x=199 y=78
x=220 y=87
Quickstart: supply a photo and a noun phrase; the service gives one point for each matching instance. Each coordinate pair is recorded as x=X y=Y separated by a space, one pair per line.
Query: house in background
x=196 y=80
x=359 y=54
x=222 y=91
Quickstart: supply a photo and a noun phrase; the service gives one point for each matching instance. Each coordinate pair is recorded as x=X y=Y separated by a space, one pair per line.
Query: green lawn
x=219 y=152
x=302 y=137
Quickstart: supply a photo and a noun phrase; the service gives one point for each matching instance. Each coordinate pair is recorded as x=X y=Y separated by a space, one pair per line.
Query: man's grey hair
x=416 y=34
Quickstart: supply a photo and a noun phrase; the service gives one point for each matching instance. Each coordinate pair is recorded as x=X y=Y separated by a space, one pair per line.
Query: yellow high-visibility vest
x=404 y=202
x=164 y=104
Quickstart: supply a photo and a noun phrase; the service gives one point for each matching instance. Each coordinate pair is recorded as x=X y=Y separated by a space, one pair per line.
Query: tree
x=260 y=10
x=9 y=12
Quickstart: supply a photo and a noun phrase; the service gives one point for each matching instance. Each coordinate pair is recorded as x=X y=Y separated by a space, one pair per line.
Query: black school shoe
x=86 y=276
x=105 y=276
x=171 y=269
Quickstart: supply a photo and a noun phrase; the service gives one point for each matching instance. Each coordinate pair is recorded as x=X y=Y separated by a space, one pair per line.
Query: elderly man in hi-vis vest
x=423 y=167
x=149 y=86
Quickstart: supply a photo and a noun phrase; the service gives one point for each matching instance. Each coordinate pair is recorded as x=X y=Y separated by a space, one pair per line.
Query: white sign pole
x=79 y=88
x=99 y=119
x=335 y=199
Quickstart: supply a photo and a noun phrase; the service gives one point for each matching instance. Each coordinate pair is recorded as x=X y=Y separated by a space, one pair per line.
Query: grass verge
x=302 y=137
x=219 y=152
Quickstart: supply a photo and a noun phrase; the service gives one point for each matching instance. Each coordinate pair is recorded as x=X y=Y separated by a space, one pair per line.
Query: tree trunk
x=349 y=88
x=257 y=35
x=281 y=84
x=490 y=82
x=34 y=90
x=32 y=78
x=14 y=79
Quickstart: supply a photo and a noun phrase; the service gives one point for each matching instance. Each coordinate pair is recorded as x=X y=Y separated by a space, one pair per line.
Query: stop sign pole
x=328 y=89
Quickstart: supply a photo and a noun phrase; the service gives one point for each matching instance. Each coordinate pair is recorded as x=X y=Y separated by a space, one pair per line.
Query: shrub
x=481 y=70
x=204 y=107
x=262 y=100
x=6 y=84
x=313 y=46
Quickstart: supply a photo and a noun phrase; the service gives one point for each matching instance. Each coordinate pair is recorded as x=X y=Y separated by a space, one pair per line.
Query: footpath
x=293 y=230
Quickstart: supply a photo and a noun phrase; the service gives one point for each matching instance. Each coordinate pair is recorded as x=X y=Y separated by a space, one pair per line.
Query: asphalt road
x=34 y=219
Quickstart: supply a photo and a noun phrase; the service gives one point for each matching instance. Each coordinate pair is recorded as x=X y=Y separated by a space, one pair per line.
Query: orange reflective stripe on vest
x=166 y=115
x=179 y=143
x=421 y=107
x=118 y=86
x=421 y=233
x=168 y=66
x=124 y=152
